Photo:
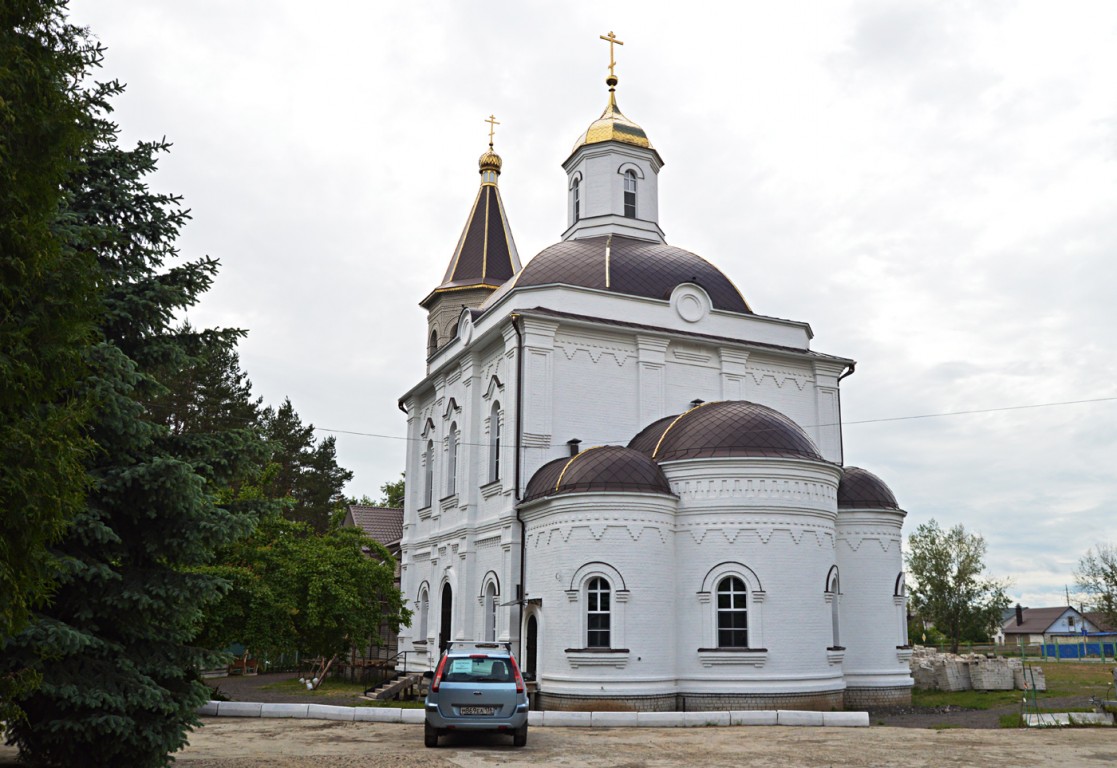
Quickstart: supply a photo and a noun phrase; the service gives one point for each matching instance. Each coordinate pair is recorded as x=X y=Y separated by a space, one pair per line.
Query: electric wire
x=857 y=422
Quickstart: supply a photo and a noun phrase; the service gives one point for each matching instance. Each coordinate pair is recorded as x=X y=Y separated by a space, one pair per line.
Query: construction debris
x=937 y=671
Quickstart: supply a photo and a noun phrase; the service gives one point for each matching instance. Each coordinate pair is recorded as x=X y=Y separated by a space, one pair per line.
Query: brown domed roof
x=734 y=428
x=604 y=468
x=861 y=489
x=634 y=267
x=648 y=438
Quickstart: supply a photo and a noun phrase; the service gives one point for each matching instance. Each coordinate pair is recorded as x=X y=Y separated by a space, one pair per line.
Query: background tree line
x=151 y=510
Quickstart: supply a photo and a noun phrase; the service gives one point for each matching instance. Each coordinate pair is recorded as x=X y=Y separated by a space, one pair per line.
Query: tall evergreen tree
x=47 y=297
x=47 y=303
x=306 y=473
x=119 y=682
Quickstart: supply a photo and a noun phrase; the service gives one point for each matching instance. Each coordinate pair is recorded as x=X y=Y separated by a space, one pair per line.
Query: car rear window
x=471 y=670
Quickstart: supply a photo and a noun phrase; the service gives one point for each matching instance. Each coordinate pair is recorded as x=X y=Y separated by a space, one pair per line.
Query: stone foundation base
x=568 y=703
x=871 y=698
x=827 y=701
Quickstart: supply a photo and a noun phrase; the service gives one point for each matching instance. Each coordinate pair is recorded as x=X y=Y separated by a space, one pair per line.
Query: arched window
x=576 y=198
x=733 y=615
x=490 y=613
x=428 y=474
x=494 y=443
x=452 y=461
x=833 y=592
x=424 y=610
x=597 y=613
x=630 y=194
x=432 y=343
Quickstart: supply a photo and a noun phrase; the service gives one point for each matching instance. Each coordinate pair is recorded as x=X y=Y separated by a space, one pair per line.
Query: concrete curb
x=550 y=719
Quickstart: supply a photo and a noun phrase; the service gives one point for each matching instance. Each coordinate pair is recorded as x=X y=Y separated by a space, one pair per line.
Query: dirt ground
x=947 y=738
x=255 y=743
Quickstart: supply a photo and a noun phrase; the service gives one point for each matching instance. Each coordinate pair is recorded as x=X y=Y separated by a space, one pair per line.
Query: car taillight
x=438 y=675
x=519 y=677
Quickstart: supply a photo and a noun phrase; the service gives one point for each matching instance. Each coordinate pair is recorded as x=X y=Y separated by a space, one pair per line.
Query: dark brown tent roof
x=632 y=267
x=607 y=468
x=861 y=489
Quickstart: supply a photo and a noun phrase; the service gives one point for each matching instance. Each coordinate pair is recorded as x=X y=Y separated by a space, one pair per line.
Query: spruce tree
x=47 y=298
x=119 y=682
x=47 y=304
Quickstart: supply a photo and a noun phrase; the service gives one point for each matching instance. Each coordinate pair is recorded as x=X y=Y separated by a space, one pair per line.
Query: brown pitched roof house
x=1035 y=624
x=384 y=524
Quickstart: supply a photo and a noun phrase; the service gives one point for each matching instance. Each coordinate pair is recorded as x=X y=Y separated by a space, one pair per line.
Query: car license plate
x=478 y=710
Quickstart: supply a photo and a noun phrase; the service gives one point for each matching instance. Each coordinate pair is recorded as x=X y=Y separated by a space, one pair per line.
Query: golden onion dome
x=490 y=161
x=613 y=126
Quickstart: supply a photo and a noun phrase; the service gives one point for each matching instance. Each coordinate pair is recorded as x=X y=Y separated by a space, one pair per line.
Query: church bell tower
x=484 y=260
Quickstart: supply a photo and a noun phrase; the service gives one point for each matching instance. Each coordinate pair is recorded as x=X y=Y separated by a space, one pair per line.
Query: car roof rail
x=506 y=645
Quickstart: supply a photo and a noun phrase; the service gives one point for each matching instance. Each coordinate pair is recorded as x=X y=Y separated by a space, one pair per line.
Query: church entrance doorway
x=531 y=647
x=444 y=635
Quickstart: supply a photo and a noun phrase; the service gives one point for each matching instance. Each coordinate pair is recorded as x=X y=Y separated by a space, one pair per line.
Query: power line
x=884 y=419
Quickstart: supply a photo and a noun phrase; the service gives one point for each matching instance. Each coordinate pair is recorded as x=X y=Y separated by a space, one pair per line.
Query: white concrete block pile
x=937 y=671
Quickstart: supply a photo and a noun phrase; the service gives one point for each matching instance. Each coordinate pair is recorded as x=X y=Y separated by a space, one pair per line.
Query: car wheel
x=519 y=736
x=430 y=735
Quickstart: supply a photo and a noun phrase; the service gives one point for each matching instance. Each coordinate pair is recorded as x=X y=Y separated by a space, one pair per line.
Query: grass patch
x=1064 y=678
x=965 y=699
x=946 y=726
x=1013 y=720
x=333 y=687
x=327 y=688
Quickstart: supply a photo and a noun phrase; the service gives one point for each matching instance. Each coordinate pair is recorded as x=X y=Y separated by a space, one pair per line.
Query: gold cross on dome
x=611 y=39
x=493 y=123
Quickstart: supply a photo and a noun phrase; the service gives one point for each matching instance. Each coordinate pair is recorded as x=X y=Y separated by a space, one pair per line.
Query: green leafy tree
x=1096 y=577
x=294 y=589
x=392 y=493
x=118 y=669
x=949 y=588
x=47 y=299
x=307 y=473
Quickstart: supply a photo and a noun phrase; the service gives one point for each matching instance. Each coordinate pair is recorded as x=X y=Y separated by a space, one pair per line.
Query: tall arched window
x=733 y=616
x=424 y=611
x=428 y=475
x=576 y=196
x=597 y=613
x=630 y=194
x=833 y=591
x=494 y=443
x=452 y=461
x=432 y=343
x=490 y=613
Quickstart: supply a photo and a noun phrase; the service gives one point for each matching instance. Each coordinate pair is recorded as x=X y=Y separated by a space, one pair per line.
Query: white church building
x=619 y=467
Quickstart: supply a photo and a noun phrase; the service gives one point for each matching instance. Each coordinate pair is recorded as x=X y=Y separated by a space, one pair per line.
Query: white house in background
x=706 y=547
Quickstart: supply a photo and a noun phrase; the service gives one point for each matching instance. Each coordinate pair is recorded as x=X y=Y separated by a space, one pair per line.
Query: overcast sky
x=930 y=185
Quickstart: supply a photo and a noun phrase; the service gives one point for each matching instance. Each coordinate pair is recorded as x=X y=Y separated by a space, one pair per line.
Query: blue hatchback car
x=476 y=687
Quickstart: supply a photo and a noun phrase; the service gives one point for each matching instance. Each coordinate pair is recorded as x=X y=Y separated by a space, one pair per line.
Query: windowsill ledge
x=836 y=654
x=448 y=502
x=598 y=657
x=903 y=653
x=425 y=512
x=488 y=490
x=745 y=657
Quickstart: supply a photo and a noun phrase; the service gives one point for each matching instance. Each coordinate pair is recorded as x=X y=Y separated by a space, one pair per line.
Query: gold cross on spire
x=493 y=123
x=611 y=39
